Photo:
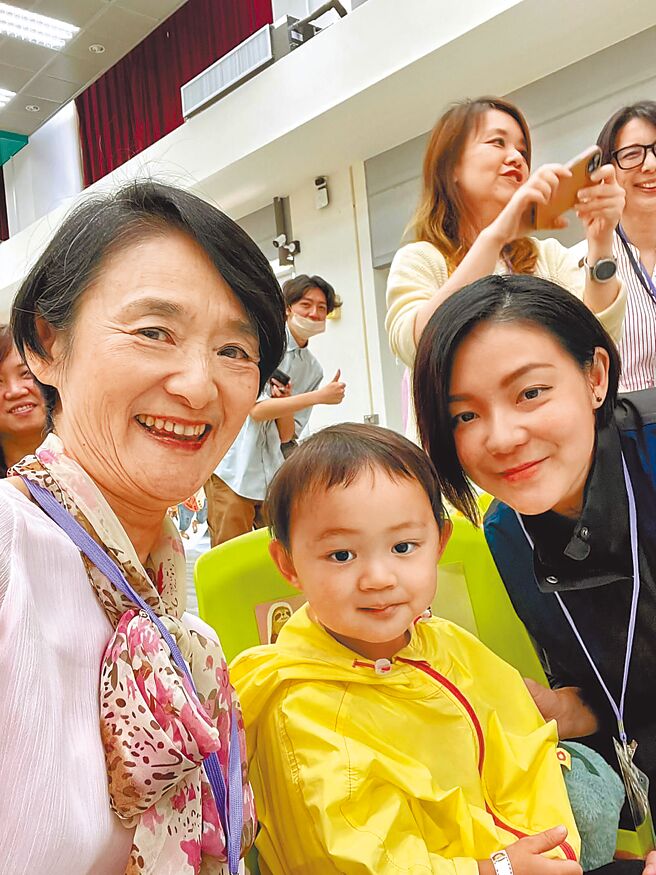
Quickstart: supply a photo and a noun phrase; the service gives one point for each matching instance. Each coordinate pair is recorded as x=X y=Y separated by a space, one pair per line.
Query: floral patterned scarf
x=156 y=731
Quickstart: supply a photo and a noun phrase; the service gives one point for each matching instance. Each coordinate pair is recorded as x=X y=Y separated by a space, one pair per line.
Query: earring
x=597 y=399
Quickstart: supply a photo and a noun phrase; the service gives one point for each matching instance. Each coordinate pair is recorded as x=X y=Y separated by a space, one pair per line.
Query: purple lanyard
x=618 y=710
x=638 y=268
x=231 y=810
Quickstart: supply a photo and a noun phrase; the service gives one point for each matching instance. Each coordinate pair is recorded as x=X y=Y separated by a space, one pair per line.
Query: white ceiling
x=47 y=78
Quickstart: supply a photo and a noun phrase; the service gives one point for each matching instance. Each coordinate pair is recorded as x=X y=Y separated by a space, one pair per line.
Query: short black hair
x=335 y=456
x=642 y=109
x=517 y=298
x=294 y=289
x=103 y=224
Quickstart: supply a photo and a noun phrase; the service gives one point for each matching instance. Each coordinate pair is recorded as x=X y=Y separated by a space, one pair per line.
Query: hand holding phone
x=280 y=377
x=281 y=384
x=581 y=168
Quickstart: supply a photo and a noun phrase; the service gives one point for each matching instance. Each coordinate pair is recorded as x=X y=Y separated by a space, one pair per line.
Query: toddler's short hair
x=334 y=457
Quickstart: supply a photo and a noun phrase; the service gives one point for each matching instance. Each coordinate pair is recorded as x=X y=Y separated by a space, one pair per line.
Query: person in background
x=22 y=411
x=237 y=488
x=628 y=139
x=471 y=222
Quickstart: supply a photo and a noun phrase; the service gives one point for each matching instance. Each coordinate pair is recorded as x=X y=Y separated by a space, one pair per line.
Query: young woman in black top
x=515 y=388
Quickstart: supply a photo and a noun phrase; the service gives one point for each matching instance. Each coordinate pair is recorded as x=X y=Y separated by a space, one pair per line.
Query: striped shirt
x=637 y=347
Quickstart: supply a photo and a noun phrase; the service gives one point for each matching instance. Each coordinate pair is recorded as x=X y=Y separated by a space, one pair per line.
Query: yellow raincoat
x=426 y=767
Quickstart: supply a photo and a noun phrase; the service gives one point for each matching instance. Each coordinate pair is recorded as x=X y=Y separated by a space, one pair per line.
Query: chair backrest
x=231 y=581
x=237 y=583
x=476 y=592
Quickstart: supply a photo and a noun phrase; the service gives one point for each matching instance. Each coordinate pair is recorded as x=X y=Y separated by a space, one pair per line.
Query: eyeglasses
x=634 y=156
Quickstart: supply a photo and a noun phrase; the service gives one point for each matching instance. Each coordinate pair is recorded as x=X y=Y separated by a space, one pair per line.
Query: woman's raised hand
x=513 y=221
x=600 y=208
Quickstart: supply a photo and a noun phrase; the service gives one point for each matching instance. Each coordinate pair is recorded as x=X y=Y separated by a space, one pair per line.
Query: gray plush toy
x=596 y=794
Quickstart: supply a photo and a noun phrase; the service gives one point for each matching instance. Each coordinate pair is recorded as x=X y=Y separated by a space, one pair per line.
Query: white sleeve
x=7 y=528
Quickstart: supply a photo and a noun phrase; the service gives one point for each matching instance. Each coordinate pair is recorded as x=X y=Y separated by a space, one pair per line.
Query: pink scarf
x=155 y=730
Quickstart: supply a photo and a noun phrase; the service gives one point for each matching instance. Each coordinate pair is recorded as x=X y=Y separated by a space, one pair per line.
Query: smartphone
x=280 y=377
x=541 y=216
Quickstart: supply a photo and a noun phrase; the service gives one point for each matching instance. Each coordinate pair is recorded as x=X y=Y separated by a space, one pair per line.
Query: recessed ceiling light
x=6 y=96
x=34 y=28
x=32 y=107
x=96 y=49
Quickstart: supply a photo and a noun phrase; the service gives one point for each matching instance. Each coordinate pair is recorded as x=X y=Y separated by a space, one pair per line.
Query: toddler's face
x=365 y=555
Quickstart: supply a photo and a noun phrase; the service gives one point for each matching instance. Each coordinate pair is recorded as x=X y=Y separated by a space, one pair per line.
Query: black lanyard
x=638 y=268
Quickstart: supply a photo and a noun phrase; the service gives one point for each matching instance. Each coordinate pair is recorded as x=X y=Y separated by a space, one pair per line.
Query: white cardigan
x=54 y=801
x=419 y=269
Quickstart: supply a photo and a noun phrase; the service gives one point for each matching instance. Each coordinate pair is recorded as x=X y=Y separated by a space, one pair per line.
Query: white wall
x=329 y=247
x=45 y=173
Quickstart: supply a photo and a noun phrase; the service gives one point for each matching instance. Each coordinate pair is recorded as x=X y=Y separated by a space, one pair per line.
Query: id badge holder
x=636 y=784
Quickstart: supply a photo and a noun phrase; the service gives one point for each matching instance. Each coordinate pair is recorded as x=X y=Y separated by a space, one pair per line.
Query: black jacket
x=588 y=561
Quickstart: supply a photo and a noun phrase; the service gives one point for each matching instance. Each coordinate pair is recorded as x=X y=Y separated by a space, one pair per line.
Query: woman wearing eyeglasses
x=628 y=139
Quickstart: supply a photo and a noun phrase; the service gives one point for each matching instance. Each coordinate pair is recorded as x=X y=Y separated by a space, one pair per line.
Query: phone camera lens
x=595 y=161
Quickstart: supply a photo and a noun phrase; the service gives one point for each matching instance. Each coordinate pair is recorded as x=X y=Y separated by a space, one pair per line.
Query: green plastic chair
x=235 y=577
x=231 y=580
x=491 y=616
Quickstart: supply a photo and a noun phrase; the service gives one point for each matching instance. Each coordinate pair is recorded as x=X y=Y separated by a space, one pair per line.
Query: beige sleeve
x=561 y=266
x=417 y=271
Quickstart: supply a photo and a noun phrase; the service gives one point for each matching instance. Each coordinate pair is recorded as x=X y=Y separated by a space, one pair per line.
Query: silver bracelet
x=501 y=863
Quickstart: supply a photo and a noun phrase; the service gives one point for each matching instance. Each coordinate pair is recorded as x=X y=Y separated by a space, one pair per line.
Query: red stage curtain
x=137 y=101
x=4 y=221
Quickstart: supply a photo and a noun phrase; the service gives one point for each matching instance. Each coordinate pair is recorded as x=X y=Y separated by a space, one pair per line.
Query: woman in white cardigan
x=471 y=222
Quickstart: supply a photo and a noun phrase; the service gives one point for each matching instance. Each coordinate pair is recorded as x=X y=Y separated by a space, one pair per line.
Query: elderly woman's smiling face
x=157 y=374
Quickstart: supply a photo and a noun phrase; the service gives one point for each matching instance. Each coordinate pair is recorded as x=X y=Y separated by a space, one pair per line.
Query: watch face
x=605 y=269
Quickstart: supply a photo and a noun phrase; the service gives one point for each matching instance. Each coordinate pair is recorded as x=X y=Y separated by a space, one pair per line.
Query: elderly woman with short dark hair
x=151 y=322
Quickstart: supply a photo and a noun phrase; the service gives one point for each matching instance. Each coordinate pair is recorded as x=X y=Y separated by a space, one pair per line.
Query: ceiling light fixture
x=6 y=96
x=96 y=49
x=32 y=107
x=34 y=28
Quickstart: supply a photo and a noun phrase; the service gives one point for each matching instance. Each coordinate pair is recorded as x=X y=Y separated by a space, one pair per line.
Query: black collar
x=594 y=550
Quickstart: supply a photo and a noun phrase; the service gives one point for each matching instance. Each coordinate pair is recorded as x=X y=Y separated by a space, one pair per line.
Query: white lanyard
x=633 y=528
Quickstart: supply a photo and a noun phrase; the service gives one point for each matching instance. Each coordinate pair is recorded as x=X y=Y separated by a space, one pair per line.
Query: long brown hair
x=441 y=208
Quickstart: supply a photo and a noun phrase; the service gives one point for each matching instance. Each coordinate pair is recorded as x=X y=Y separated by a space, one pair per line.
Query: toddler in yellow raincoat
x=384 y=741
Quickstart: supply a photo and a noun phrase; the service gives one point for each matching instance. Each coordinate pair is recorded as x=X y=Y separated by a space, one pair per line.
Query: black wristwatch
x=601 y=271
